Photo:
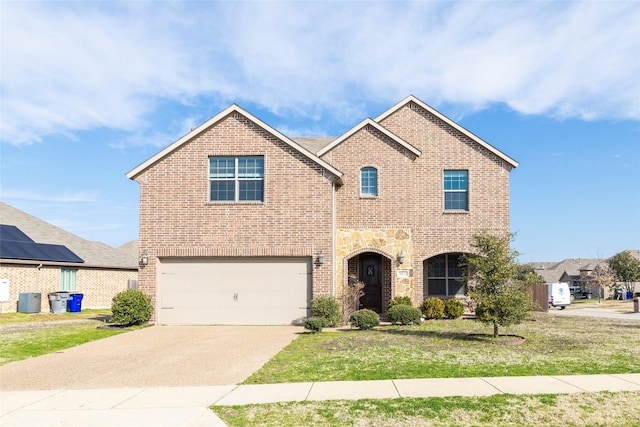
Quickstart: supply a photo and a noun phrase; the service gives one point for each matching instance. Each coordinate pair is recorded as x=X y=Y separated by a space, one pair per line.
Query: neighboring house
x=566 y=271
x=37 y=257
x=576 y=272
x=242 y=224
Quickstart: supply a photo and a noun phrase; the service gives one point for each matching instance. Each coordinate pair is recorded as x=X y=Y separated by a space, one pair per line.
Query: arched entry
x=370 y=273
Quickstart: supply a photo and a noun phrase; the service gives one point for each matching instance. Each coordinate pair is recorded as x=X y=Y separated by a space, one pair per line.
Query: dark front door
x=371 y=275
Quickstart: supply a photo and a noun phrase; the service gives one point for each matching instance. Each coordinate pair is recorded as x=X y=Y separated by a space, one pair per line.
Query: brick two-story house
x=240 y=224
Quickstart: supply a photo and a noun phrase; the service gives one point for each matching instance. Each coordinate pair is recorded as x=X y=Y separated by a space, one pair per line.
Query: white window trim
x=369 y=195
x=236 y=179
x=444 y=192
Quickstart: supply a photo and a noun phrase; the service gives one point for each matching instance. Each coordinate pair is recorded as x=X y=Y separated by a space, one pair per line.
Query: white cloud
x=65 y=197
x=74 y=66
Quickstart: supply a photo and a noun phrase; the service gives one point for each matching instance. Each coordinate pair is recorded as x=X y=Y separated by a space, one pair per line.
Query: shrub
x=453 y=309
x=400 y=300
x=328 y=307
x=131 y=307
x=351 y=297
x=432 y=308
x=364 y=319
x=315 y=324
x=404 y=314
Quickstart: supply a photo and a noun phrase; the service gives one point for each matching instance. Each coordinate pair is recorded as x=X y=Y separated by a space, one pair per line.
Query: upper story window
x=369 y=182
x=236 y=179
x=456 y=190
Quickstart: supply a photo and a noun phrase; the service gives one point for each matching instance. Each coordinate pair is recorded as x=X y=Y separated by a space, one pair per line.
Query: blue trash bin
x=74 y=303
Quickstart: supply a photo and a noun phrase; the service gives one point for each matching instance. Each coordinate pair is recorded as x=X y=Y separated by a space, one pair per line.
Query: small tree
x=625 y=269
x=602 y=278
x=527 y=275
x=490 y=282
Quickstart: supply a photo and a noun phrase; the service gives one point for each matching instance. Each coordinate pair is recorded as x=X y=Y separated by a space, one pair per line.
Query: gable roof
x=553 y=271
x=232 y=109
x=378 y=127
x=448 y=121
x=94 y=254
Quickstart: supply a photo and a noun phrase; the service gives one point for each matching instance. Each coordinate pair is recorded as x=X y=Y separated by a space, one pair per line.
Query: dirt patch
x=502 y=339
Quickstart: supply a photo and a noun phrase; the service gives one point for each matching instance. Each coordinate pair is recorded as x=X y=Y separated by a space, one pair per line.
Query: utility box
x=29 y=302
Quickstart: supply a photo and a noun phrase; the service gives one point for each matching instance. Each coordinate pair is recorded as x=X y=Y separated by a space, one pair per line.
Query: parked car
x=577 y=293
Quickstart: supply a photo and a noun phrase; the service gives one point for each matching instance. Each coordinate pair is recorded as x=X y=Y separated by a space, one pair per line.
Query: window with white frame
x=68 y=279
x=456 y=190
x=236 y=179
x=369 y=182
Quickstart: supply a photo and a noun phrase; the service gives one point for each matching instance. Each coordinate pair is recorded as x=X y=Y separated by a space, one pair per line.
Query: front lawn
x=580 y=409
x=45 y=316
x=555 y=345
x=32 y=342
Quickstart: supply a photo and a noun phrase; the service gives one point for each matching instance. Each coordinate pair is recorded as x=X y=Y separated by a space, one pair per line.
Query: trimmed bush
x=315 y=324
x=131 y=307
x=404 y=314
x=453 y=309
x=399 y=300
x=364 y=319
x=328 y=307
x=432 y=308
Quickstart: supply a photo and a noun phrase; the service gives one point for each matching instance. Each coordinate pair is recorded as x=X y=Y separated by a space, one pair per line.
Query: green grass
x=580 y=409
x=554 y=345
x=31 y=343
x=12 y=318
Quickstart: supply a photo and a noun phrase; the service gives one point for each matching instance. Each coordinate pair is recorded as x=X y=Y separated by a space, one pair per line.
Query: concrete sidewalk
x=188 y=406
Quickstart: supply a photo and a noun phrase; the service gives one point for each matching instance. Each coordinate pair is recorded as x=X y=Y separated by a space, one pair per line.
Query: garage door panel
x=234 y=290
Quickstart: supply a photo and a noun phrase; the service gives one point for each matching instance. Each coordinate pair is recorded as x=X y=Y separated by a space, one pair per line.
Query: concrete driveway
x=152 y=357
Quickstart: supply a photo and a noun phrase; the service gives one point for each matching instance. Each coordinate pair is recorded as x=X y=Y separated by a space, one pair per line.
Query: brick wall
x=177 y=219
x=410 y=189
x=98 y=286
x=297 y=215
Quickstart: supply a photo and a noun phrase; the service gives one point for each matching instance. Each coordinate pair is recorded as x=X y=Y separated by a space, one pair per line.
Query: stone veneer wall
x=389 y=242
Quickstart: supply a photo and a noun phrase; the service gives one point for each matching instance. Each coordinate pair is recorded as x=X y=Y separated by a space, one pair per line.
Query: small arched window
x=369 y=182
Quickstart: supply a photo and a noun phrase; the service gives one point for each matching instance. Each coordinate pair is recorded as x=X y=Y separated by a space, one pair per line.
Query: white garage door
x=234 y=291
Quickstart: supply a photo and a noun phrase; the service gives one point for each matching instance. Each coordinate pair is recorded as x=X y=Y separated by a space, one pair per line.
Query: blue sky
x=88 y=90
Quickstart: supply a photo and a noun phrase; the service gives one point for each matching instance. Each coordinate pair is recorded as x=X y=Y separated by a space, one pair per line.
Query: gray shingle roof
x=312 y=143
x=553 y=271
x=94 y=254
